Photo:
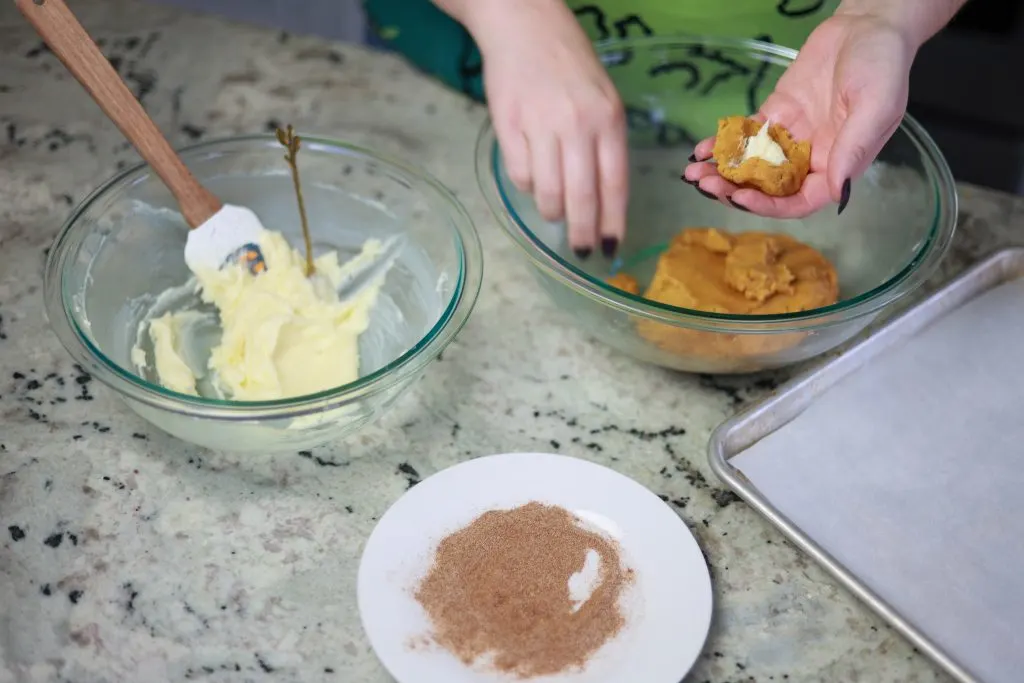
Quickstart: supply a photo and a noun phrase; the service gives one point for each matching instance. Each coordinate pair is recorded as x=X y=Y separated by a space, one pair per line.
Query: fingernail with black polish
x=738 y=206
x=693 y=159
x=582 y=253
x=705 y=193
x=844 y=196
x=609 y=245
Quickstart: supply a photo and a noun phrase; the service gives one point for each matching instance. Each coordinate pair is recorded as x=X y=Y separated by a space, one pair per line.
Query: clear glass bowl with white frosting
x=117 y=264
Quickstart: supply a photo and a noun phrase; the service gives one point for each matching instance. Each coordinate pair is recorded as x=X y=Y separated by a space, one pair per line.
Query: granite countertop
x=126 y=555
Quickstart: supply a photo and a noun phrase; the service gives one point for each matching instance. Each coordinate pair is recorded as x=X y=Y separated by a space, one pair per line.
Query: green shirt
x=440 y=46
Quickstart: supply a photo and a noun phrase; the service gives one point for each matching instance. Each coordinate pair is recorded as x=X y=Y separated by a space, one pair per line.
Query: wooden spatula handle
x=59 y=28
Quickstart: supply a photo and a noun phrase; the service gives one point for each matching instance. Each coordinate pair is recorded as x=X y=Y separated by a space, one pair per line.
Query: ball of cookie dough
x=762 y=156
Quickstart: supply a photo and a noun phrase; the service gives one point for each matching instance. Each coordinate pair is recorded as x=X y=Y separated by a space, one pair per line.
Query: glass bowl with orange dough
x=701 y=287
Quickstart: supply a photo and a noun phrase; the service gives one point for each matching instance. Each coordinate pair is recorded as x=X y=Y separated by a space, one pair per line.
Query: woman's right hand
x=558 y=118
x=846 y=92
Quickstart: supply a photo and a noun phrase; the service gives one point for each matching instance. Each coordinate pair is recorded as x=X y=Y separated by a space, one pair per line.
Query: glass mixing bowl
x=124 y=244
x=896 y=229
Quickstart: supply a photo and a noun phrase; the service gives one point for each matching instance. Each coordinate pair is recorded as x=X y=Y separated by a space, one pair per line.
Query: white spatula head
x=232 y=234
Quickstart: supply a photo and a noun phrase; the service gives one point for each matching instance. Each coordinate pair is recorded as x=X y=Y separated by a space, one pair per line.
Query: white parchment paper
x=910 y=473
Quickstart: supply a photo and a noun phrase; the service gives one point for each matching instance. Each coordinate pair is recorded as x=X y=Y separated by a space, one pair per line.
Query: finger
x=546 y=162
x=869 y=125
x=703 y=150
x=581 y=197
x=716 y=187
x=704 y=178
x=813 y=195
x=693 y=173
x=515 y=154
x=613 y=163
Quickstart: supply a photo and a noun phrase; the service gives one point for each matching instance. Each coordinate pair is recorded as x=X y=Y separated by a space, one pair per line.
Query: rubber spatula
x=220 y=232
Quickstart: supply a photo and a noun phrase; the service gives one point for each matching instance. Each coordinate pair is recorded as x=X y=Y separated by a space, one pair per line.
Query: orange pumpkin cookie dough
x=762 y=156
x=751 y=273
x=625 y=282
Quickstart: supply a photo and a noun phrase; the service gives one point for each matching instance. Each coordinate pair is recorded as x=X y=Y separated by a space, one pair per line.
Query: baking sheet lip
x=851 y=359
x=838 y=368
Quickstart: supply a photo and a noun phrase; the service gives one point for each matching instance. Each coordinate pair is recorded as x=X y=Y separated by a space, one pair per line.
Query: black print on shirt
x=705 y=69
x=622 y=26
x=671 y=135
x=666 y=134
x=689 y=69
x=799 y=8
x=597 y=15
x=628 y=26
x=700 y=70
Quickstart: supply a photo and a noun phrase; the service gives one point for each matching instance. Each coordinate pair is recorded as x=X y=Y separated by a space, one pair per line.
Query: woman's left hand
x=846 y=92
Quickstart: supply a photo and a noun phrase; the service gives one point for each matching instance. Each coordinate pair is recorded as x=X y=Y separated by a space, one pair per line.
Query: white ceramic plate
x=668 y=609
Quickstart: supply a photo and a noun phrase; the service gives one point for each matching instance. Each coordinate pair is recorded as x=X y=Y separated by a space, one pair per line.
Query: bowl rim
x=908 y=279
x=129 y=385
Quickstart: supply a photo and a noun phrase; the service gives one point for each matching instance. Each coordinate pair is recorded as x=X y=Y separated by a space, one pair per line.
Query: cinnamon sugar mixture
x=506 y=590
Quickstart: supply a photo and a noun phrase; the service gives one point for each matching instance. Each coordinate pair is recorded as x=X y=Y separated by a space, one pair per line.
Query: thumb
x=870 y=123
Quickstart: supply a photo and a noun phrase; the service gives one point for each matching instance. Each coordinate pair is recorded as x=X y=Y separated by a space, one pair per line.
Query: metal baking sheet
x=740 y=433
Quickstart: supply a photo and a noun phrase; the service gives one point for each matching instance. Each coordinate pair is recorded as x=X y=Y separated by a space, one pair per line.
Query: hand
x=846 y=92
x=558 y=118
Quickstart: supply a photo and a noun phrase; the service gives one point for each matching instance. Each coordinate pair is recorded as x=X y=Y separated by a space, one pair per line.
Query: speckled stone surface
x=128 y=556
